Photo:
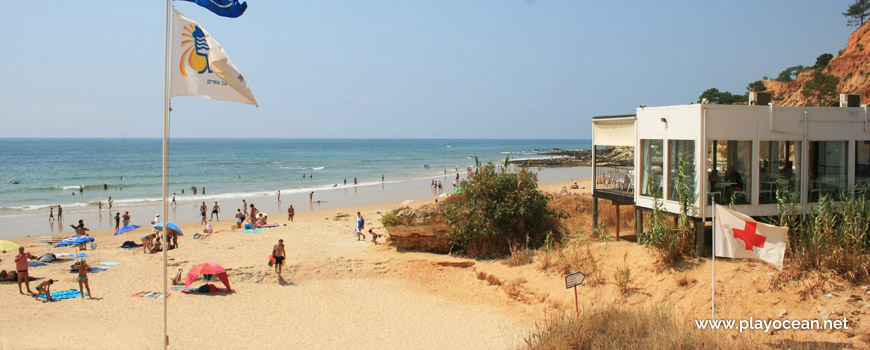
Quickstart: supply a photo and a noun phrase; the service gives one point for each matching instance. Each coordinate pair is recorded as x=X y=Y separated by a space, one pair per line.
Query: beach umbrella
x=8 y=246
x=172 y=227
x=210 y=269
x=444 y=195
x=74 y=241
x=409 y=201
x=127 y=228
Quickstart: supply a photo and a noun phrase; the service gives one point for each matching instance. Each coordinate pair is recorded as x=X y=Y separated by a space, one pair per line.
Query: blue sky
x=397 y=69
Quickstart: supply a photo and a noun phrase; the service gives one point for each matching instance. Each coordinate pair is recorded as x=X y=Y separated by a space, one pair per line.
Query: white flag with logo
x=739 y=236
x=200 y=67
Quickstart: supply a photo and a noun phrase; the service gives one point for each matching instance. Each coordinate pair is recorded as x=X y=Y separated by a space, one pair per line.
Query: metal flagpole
x=165 y=170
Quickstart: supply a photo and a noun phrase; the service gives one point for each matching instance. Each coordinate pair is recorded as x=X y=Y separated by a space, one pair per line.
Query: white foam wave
x=317 y=168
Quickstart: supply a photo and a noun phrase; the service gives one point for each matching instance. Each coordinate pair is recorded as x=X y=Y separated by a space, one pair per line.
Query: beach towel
x=251 y=231
x=138 y=294
x=108 y=263
x=64 y=294
x=35 y=264
x=130 y=244
x=268 y=226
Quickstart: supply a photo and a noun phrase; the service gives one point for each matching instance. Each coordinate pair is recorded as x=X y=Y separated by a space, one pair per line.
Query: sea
x=81 y=174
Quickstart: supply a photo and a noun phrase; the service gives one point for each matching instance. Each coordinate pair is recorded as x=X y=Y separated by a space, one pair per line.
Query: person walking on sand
x=21 y=267
x=311 y=197
x=279 y=196
x=215 y=212
x=174 y=204
x=374 y=236
x=59 y=213
x=126 y=218
x=360 y=225
x=117 y=221
x=290 y=213
x=203 y=209
x=279 y=254
x=45 y=288
x=83 y=267
x=51 y=214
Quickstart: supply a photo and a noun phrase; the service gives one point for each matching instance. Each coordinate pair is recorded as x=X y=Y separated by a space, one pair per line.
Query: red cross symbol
x=748 y=235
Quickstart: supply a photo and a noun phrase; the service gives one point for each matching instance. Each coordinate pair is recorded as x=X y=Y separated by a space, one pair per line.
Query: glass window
x=681 y=151
x=827 y=170
x=651 y=167
x=729 y=170
x=779 y=165
x=862 y=162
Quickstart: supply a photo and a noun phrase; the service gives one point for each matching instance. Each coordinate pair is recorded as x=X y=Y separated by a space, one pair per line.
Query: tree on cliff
x=823 y=60
x=857 y=12
x=498 y=211
x=758 y=86
x=789 y=73
x=823 y=86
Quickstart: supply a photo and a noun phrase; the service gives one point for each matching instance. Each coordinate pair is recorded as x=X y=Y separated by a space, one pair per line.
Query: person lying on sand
x=374 y=236
x=575 y=186
x=177 y=279
x=45 y=288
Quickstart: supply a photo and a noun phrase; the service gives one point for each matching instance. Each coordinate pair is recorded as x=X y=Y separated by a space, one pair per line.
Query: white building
x=734 y=153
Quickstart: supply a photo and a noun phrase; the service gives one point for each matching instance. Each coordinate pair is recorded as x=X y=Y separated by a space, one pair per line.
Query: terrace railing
x=615 y=179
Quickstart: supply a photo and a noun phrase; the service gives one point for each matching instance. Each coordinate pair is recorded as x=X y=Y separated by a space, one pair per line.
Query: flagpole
x=165 y=171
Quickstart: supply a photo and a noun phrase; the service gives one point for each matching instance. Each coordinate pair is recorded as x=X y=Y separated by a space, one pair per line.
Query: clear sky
x=397 y=69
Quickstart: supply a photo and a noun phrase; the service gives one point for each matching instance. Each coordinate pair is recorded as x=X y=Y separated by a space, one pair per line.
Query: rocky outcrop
x=418 y=229
x=851 y=65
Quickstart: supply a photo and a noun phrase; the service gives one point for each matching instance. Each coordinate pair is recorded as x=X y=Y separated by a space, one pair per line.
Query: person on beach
x=374 y=236
x=59 y=213
x=81 y=230
x=279 y=254
x=360 y=225
x=100 y=205
x=193 y=188
x=117 y=220
x=174 y=204
x=105 y=186
x=382 y=177
x=215 y=212
x=83 y=267
x=177 y=279
x=126 y=218
x=245 y=207
x=345 y=181
x=311 y=197
x=81 y=189
x=21 y=267
x=203 y=209
x=279 y=196
x=156 y=246
x=147 y=241
x=111 y=202
x=253 y=216
x=239 y=218
x=51 y=214
x=155 y=220
x=290 y=213
x=203 y=190
x=45 y=288
x=354 y=181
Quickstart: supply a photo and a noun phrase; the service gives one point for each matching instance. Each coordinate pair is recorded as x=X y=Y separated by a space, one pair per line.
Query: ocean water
x=49 y=172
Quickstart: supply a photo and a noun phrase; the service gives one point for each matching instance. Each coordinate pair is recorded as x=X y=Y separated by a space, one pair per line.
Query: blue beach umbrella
x=74 y=241
x=174 y=227
x=127 y=228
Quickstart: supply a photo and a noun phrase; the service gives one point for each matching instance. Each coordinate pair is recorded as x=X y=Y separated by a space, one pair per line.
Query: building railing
x=614 y=178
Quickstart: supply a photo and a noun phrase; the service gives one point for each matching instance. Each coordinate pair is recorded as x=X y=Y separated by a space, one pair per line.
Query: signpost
x=572 y=281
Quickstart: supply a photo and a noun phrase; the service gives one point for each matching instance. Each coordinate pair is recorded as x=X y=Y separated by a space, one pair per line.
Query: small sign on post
x=572 y=281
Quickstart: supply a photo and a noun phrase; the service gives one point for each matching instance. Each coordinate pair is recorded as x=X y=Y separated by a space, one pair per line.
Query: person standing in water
x=59 y=213
x=279 y=196
x=51 y=214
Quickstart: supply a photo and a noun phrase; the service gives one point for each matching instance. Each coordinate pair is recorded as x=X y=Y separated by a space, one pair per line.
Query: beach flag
x=225 y=8
x=200 y=67
x=739 y=236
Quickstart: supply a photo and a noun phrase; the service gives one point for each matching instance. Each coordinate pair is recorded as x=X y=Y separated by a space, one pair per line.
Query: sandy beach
x=335 y=292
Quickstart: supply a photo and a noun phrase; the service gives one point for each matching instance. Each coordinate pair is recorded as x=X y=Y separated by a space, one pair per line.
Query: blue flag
x=225 y=8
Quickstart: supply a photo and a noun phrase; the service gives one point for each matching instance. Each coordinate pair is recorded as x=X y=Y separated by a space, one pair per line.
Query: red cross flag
x=736 y=235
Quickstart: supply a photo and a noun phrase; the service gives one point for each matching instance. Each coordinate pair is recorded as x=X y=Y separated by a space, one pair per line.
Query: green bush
x=391 y=219
x=669 y=243
x=499 y=211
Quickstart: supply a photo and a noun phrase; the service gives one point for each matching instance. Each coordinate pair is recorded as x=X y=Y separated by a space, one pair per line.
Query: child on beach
x=45 y=288
x=374 y=236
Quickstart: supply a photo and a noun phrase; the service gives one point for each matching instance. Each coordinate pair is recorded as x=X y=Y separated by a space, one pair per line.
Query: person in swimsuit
x=51 y=215
x=126 y=218
x=374 y=236
x=291 y=213
x=83 y=267
x=279 y=254
x=202 y=210
x=59 y=213
x=174 y=204
x=146 y=241
x=117 y=220
x=45 y=288
x=21 y=267
x=215 y=212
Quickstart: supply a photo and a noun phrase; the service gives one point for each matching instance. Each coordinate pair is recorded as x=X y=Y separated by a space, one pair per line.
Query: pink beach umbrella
x=209 y=269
